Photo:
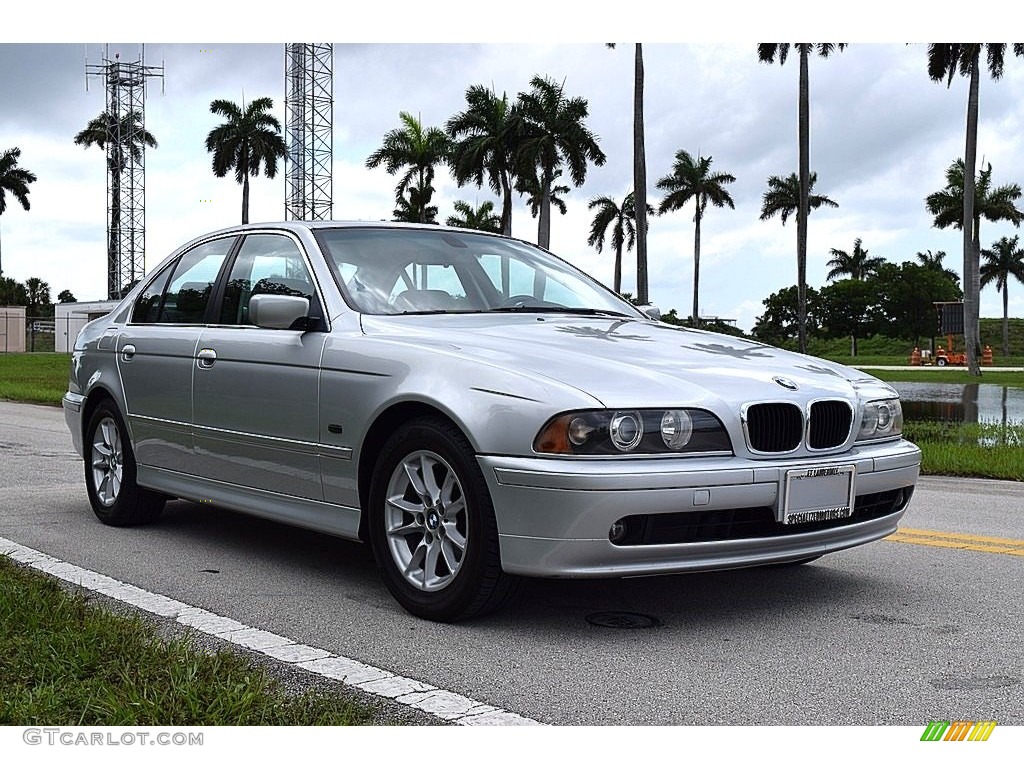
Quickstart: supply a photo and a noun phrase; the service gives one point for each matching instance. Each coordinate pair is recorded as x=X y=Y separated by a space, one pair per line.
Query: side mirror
x=267 y=310
x=651 y=311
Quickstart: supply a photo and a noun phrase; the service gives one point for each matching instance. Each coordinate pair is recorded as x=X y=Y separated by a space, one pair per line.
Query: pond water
x=969 y=403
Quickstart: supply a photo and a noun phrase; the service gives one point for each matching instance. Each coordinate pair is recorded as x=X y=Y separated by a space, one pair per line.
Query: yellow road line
x=962 y=537
x=967 y=541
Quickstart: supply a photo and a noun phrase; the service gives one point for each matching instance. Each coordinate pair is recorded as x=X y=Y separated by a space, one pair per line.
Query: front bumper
x=554 y=515
x=72 y=404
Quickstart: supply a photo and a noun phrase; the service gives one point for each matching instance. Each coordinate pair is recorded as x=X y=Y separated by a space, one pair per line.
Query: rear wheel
x=110 y=472
x=432 y=525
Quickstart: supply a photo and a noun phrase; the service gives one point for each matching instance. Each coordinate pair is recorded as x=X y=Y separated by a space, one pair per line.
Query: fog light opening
x=617 y=533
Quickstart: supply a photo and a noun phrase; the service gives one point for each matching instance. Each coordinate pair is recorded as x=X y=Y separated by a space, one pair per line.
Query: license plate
x=819 y=493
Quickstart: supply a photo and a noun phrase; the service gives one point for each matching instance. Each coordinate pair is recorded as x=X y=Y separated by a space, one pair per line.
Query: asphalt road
x=892 y=633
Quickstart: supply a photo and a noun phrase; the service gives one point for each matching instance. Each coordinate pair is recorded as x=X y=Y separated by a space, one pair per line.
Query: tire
x=432 y=526
x=941 y=362
x=110 y=472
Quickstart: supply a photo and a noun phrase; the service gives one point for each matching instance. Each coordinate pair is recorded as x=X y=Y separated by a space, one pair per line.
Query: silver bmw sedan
x=476 y=409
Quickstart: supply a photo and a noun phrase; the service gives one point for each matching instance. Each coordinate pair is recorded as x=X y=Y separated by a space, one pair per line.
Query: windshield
x=398 y=271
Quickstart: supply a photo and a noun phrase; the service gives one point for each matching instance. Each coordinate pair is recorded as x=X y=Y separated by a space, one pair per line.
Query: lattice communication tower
x=309 y=110
x=125 y=83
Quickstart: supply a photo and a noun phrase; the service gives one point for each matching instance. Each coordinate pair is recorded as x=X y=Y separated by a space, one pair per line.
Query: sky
x=882 y=136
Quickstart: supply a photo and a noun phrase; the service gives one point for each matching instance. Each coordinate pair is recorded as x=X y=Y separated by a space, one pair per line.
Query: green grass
x=882 y=350
x=950 y=376
x=65 y=662
x=40 y=378
x=986 y=450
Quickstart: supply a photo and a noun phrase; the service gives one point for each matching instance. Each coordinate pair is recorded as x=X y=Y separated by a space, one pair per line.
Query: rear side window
x=181 y=299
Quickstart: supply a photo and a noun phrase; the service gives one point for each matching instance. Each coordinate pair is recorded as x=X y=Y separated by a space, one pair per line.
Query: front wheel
x=432 y=525
x=110 y=472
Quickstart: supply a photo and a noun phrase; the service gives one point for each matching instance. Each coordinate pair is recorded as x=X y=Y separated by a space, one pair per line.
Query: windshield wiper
x=560 y=310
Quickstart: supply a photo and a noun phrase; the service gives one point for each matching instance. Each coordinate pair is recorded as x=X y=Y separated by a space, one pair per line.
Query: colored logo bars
x=960 y=730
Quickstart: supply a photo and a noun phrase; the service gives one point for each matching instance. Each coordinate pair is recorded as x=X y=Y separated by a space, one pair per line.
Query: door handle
x=206 y=358
x=127 y=352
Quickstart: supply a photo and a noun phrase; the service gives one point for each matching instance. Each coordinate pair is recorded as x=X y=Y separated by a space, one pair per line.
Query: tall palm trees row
x=522 y=146
x=692 y=179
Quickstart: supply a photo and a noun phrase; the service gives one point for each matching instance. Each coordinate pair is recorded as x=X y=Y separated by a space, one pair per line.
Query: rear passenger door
x=156 y=354
x=256 y=390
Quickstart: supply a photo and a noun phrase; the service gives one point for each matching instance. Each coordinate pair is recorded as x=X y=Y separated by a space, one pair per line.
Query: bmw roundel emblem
x=787 y=383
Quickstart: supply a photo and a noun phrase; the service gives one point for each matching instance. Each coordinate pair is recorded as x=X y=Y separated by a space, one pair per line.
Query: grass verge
x=64 y=662
x=949 y=376
x=987 y=450
x=34 y=377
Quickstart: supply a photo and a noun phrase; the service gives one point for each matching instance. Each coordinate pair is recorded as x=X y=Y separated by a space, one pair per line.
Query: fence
x=21 y=333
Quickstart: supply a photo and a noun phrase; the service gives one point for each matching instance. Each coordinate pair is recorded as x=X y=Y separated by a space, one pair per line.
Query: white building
x=12 y=329
x=69 y=319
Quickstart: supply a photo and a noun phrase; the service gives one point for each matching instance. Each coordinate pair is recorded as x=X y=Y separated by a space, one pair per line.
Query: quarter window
x=147 y=306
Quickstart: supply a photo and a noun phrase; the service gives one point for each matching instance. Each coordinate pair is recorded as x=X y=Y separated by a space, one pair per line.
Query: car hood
x=624 y=362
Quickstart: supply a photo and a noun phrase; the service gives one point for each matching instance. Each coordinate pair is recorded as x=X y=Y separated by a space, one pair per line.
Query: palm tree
x=767 y=53
x=250 y=138
x=414 y=206
x=13 y=179
x=415 y=149
x=484 y=142
x=554 y=134
x=116 y=136
x=527 y=183
x=639 y=173
x=933 y=261
x=945 y=60
x=856 y=264
x=947 y=207
x=482 y=217
x=783 y=197
x=1002 y=261
x=692 y=179
x=622 y=220
x=994 y=204
x=37 y=296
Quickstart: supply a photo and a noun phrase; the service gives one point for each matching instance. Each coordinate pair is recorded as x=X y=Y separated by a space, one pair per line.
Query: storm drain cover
x=622 y=620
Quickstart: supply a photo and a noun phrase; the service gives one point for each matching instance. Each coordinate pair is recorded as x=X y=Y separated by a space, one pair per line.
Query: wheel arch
x=377 y=435
x=92 y=401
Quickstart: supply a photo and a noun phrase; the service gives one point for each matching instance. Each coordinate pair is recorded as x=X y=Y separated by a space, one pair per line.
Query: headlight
x=649 y=431
x=881 y=419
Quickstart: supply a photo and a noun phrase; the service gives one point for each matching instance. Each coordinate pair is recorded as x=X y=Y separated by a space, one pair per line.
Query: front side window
x=265 y=264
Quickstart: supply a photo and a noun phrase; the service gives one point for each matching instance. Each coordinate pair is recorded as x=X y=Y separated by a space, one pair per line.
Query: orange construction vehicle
x=946 y=356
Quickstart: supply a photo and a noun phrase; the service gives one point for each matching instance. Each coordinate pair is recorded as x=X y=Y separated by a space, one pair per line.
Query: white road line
x=413 y=693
